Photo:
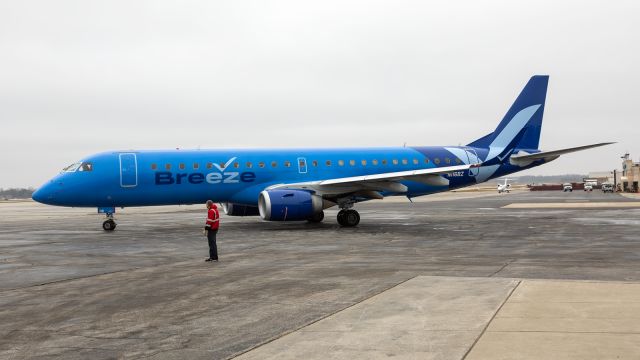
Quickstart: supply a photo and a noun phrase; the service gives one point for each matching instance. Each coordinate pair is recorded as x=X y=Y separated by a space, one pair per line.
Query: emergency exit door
x=128 y=170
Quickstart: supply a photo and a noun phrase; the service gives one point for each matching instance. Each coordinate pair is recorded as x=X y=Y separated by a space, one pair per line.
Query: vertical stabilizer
x=520 y=128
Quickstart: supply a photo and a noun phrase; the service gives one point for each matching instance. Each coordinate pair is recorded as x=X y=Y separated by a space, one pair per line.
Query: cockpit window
x=79 y=166
x=86 y=166
x=73 y=167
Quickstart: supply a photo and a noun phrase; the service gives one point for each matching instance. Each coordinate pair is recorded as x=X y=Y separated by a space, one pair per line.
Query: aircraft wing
x=370 y=185
x=523 y=158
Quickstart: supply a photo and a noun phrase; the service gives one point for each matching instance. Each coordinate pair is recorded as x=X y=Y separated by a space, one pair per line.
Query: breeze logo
x=223 y=177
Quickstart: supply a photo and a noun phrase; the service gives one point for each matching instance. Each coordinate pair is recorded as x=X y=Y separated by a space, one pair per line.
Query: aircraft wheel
x=316 y=218
x=109 y=225
x=341 y=217
x=350 y=218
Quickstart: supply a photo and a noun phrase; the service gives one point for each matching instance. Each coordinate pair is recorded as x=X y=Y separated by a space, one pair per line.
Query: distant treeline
x=16 y=193
x=548 y=179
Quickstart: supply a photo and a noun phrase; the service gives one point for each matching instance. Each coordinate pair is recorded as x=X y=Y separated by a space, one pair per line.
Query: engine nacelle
x=240 y=210
x=288 y=205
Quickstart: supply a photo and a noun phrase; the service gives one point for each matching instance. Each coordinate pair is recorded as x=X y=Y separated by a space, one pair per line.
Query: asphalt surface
x=68 y=289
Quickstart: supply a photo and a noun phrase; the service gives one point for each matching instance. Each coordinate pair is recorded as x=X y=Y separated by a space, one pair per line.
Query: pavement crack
x=502 y=267
x=71 y=279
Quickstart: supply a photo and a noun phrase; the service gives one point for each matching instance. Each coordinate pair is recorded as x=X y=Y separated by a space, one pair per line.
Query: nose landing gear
x=109 y=224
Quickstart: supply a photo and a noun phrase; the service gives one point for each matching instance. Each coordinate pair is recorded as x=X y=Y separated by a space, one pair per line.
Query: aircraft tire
x=340 y=217
x=109 y=225
x=316 y=218
x=350 y=218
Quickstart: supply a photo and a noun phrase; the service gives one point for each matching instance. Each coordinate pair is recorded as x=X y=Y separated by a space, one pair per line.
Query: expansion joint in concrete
x=490 y=320
x=323 y=317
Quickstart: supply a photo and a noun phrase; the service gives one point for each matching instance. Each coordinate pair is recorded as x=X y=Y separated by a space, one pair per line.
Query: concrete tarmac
x=441 y=278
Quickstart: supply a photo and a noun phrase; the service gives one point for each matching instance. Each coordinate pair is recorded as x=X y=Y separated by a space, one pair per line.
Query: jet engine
x=291 y=205
x=232 y=209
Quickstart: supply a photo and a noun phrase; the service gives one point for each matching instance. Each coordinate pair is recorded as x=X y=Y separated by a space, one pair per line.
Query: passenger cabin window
x=364 y=162
x=209 y=165
x=404 y=162
x=249 y=165
x=395 y=161
x=415 y=161
x=167 y=166
x=340 y=162
x=222 y=165
x=384 y=161
x=328 y=162
x=261 y=164
x=352 y=162
x=374 y=162
x=274 y=164
x=426 y=160
x=181 y=166
x=196 y=166
x=236 y=165
x=287 y=164
x=154 y=166
x=436 y=161
x=447 y=160
x=314 y=163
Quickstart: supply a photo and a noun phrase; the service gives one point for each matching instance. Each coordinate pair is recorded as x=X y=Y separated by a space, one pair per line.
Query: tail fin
x=520 y=127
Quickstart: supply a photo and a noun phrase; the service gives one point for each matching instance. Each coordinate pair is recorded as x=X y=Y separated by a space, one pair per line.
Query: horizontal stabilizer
x=523 y=158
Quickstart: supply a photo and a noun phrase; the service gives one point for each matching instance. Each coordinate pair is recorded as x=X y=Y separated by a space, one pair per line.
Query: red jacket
x=213 y=218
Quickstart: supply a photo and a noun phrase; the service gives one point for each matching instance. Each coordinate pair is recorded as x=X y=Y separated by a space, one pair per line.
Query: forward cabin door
x=128 y=170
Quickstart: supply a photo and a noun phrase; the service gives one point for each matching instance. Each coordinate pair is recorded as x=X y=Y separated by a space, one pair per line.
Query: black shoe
x=209 y=259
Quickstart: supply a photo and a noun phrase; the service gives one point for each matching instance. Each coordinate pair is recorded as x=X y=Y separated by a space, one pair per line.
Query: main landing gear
x=109 y=224
x=348 y=217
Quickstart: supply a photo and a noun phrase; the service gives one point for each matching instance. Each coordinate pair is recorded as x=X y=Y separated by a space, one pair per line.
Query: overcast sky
x=79 y=77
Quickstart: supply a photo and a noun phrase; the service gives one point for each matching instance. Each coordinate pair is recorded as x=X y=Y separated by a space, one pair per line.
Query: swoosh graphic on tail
x=516 y=124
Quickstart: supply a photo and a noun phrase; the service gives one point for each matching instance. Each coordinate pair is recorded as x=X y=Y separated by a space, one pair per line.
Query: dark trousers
x=213 y=247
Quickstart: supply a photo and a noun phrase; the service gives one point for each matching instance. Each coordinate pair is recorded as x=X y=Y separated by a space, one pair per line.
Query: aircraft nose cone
x=43 y=195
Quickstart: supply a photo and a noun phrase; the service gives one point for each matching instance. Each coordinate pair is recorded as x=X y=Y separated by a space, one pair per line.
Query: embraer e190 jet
x=298 y=184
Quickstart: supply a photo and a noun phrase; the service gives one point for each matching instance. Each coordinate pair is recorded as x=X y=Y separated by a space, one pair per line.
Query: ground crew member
x=211 y=229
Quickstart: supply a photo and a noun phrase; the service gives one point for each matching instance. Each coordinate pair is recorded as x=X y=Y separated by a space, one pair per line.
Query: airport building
x=627 y=179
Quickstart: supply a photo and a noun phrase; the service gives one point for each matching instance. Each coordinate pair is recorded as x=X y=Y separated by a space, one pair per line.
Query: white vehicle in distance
x=567 y=187
x=607 y=188
x=588 y=187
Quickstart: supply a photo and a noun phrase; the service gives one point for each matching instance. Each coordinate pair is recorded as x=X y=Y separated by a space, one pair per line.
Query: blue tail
x=520 y=127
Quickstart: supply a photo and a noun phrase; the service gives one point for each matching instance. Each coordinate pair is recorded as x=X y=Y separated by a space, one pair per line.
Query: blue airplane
x=298 y=184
